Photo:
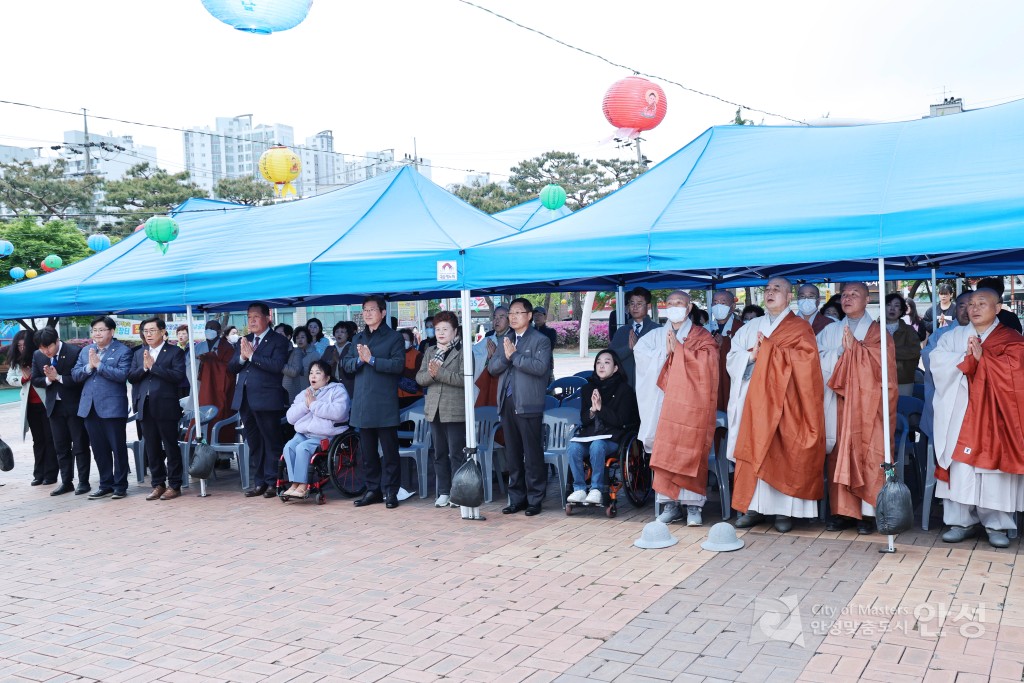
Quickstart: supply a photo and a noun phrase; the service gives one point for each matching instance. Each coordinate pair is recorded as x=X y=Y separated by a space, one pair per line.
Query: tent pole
x=886 y=418
x=467 y=390
x=194 y=390
x=620 y=305
x=588 y=306
x=935 y=305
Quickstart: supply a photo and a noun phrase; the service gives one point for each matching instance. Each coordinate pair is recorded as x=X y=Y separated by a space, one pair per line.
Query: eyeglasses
x=518 y=313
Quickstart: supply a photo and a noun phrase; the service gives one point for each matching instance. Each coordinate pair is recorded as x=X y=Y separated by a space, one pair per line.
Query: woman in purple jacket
x=316 y=414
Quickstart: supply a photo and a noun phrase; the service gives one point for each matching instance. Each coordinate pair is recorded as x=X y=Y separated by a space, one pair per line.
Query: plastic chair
x=206 y=416
x=416 y=405
x=575 y=403
x=239 y=450
x=566 y=387
x=550 y=402
x=585 y=374
x=419 y=449
x=560 y=424
x=718 y=464
x=487 y=424
x=138 y=448
x=912 y=408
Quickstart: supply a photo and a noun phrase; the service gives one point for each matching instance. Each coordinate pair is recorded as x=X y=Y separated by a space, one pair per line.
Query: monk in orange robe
x=216 y=384
x=776 y=416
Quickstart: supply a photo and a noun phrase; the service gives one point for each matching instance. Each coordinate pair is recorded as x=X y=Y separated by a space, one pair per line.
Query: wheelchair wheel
x=636 y=472
x=282 y=478
x=342 y=464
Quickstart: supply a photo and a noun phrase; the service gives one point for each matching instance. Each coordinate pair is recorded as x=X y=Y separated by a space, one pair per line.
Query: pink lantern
x=633 y=105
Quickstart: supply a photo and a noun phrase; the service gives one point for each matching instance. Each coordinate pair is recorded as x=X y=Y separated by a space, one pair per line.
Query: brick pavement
x=234 y=589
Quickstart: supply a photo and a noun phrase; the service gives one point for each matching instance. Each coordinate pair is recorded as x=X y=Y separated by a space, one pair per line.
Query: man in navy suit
x=102 y=368
x=157 y=371
x=260 y=396
x=51 y=375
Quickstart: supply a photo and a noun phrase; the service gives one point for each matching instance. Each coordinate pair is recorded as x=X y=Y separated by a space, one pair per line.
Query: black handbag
x=468 y=485
x=204 y=458
x=6 y=457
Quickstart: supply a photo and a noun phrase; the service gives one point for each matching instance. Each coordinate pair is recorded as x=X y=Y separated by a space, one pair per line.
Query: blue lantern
x=259 y=16
x=17 y=273
x=6 y=248
x=98 y=242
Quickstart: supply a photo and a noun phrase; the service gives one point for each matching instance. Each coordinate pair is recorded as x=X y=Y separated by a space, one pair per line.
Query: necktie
x=255 y=343
x=53 y=361
x=637 y=327
x=511 y=377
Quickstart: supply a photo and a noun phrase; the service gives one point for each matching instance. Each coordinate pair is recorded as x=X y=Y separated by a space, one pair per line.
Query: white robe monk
x=977 y=428
x=776 y=427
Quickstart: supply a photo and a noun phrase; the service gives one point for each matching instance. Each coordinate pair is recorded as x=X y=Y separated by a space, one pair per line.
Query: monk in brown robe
x=808 y=305
x=776 y=418
x=216 y=384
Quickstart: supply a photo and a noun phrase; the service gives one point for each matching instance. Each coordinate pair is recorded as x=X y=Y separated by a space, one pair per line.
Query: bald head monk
x=979 y=453
x=776 y=419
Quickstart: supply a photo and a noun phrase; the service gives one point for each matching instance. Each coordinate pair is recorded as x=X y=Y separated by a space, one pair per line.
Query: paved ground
x=227 y=588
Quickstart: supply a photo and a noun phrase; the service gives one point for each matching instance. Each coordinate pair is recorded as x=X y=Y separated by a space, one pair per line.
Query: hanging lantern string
x=629 y=68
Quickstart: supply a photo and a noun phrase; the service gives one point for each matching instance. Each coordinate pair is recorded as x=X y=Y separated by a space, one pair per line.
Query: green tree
x=621 y=171
x=489 y=198
x=43 y=190
x=738 y=120
x=247 y=190
x=146 y=191
x=582 y=179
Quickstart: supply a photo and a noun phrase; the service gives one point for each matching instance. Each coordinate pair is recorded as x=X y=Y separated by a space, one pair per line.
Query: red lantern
x=140 y=227
x=46 y=268
x=634 y=104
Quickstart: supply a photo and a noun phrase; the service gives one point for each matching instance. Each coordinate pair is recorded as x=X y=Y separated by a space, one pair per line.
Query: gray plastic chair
x=237 y=449
x=487 y=424
x=419 y=450
x=561 y=424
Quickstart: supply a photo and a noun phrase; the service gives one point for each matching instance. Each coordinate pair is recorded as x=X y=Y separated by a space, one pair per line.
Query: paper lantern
x=633 y=105
x=53 y=262
x=162 y=230
x=45 y=268
x=552 y=197
x=98 y=242
x=259 y=16
x=281 y=166
x=17 y=273
x=30 y=273
x=141 y=226
x=6 y=248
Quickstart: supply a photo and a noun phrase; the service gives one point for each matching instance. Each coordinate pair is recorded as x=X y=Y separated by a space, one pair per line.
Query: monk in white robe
x=979 y=396
x=776 y=422
x=850 y=352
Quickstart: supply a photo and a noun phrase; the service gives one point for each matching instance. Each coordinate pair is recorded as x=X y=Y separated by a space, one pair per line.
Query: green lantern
x=552 y=197
x=162 y=230
x=53 y=262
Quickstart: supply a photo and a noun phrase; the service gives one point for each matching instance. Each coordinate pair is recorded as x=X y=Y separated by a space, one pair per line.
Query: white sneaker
x=577 y=497
x=595 y=497
x=693 y=517
x=441 y=502
x=670 y=513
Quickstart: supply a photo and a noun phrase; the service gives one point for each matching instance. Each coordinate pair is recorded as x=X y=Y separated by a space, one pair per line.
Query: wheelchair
x=629 y=469
x=336 y=461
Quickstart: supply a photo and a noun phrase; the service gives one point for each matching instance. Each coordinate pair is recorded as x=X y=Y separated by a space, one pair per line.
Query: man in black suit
x=523 y=361
x=51 y=374
x=157 y=372
x=260 y=396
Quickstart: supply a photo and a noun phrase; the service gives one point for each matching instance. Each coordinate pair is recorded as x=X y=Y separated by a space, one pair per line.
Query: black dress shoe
x=62 y=489
x=36 y=482
x=391 y=501
x=84 y=488
x=256 y=491
x=532 y=510
x=49 y=482
x=100 y=493
x=866 y=526
x=118 y=495
x=513 y=509
x=271 y=492
x=369 y=498
x=783 y=524
x=839 y=522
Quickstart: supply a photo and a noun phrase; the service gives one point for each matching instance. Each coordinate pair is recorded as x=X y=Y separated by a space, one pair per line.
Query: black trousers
x=163 y=453
x=449 y=440
x=72 y=444
x=380 y=473
x=109 y=449
x=265 y=439
x=45 y=466
x=524 y=455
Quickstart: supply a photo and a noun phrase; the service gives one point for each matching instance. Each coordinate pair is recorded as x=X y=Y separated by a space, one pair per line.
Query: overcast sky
x=479 y=93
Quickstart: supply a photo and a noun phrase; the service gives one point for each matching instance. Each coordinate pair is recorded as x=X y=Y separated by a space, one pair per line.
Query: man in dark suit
x=638 y=302
x=523 y=363
x=377 y=357
x=51 y=374
x=157 y=372
x=259 y=396
x=102 y=368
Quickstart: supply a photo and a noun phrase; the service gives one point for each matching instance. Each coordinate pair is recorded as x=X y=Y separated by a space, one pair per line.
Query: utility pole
x=88 y=159
x=415 y=157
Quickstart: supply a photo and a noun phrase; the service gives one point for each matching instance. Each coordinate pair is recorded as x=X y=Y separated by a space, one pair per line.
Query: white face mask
x=430 y=332
x=720 y=311
x=233 y=338
x=806 y=306
x=211 y=334
x=675 y=314
x=407 y=346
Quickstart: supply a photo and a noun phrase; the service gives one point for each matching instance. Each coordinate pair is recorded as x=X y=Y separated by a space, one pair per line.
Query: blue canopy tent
x=386 y=235
x=530 y=215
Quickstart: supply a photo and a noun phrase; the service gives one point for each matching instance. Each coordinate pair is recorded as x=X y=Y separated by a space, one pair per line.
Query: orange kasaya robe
x=217 y=385
x=782 y=430
x=686 y=426
x=724 y=383
x=855 y=464
x=991 y=435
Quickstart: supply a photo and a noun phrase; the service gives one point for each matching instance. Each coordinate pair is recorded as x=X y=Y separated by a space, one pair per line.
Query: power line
x=623 y=66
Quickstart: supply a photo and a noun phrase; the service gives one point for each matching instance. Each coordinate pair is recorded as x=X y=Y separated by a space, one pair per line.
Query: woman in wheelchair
x=608 y=412
x=314 y=414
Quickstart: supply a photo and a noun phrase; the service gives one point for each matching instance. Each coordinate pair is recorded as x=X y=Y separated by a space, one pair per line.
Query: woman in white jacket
x=316 y=413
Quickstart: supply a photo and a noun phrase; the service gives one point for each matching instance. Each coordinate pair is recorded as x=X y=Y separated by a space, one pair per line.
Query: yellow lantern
x=30 y=273
x=281 y=166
